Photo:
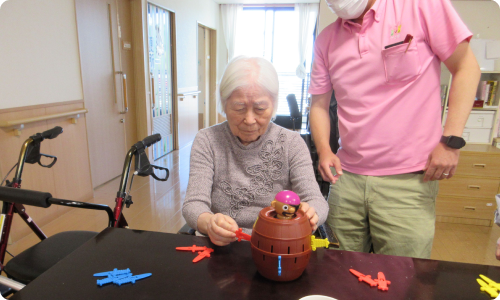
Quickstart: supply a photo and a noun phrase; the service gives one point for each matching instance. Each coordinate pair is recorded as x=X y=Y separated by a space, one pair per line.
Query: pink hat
x=287 y=197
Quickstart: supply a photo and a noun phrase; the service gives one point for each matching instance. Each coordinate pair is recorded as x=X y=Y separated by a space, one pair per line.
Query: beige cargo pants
x=394 y=213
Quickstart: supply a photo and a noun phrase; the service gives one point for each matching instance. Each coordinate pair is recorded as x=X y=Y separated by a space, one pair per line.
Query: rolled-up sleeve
x=303 y=180
x=201 y=174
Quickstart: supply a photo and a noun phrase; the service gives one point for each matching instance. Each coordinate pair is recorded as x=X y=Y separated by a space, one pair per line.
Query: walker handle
x=52 y=133
x=150 y=140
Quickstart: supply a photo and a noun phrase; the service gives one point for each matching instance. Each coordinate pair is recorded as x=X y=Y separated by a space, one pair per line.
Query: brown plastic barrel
x=290 y=239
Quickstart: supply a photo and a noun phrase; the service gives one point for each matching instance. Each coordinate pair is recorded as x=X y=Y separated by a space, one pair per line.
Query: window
x=272 y=32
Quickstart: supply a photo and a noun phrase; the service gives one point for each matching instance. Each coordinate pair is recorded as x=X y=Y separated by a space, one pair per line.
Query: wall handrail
x=188 y=94
x=182 y=96
x=18 y=124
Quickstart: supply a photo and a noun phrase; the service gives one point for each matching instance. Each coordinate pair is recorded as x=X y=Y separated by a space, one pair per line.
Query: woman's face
x=249 y=111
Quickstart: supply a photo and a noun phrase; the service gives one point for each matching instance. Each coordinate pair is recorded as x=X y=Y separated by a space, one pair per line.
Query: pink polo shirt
x=389 y=103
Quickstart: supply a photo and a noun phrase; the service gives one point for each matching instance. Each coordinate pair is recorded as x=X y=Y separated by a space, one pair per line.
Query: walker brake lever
x=167 y=173
x=54 y=160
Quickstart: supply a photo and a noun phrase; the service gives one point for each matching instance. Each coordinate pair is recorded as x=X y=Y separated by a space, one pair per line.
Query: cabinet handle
x=482 y=166
x=473 y=187
x=469 y=208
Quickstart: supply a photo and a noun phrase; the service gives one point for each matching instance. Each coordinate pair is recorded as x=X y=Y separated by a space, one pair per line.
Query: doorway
x=207 y=67
x=105 y=87
x=160 y=24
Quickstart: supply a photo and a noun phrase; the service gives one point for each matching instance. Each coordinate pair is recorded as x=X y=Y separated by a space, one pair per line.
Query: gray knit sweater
x=236 y=180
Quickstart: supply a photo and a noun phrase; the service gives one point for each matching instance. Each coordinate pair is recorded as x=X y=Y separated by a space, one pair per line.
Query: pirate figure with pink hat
x=286 y=203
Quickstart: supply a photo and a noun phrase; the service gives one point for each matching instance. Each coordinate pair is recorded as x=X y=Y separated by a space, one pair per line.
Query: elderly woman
x=238 y=166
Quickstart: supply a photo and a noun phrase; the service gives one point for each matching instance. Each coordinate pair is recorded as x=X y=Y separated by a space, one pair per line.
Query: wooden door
x=103 y=87
x=202 y=76
x=161 y=74
x=206 y=75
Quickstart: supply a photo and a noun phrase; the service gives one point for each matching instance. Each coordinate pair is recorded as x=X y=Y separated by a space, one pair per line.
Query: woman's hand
x=311 y=214
x=497 y=253
x=220 y=228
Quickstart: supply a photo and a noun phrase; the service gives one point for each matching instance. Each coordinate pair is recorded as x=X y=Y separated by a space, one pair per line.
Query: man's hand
x=220 y=228
x=327 y=160
x=442 y=163
x=311 y=214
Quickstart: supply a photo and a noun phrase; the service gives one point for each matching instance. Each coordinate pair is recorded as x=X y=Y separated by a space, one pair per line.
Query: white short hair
x=244 y=71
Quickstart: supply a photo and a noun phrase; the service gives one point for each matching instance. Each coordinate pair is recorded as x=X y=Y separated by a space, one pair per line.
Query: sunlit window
x=272 y=32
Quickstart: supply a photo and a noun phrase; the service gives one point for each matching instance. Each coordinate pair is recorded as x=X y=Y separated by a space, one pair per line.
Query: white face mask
x=347 y=9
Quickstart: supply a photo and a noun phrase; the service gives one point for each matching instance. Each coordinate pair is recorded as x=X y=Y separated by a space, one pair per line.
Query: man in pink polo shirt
x=383 y=60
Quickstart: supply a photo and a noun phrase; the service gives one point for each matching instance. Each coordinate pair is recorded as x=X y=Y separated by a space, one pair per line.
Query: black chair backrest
x=293 y=106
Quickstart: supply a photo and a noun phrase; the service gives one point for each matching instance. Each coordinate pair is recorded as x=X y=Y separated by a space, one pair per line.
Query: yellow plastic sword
x=490 y=282
x=488 y=289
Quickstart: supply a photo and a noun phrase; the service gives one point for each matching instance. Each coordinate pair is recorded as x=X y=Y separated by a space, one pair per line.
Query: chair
x=295 y=114
x=294 y=120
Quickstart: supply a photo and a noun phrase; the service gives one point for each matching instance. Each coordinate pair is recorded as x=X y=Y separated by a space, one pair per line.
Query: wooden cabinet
x=469 y=197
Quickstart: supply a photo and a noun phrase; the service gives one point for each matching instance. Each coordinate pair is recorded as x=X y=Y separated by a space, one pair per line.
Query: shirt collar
x=374 y=11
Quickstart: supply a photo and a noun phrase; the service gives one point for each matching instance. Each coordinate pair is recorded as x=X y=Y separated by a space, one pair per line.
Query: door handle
x=473 y=187
x=125 y=98
x=153 y=91
x=479 y=166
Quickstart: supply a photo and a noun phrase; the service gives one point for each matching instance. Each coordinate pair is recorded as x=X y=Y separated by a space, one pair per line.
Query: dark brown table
x=231 y=274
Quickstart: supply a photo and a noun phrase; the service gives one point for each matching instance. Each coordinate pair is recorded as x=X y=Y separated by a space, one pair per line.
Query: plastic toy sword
x=131 y=279
x=488 y=289
x=490 y=282
x=319 y=243
x=115 y=272
x=192 y=249
x=362 y=277
x=382 y=283
x=110 y=279
x=241 y=235
x=202 y=255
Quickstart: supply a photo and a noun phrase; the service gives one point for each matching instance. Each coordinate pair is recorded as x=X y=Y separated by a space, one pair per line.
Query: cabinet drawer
x=478 y=165
x=480 y=119
x=465 y=208
x=469 y=187
x=477 y=135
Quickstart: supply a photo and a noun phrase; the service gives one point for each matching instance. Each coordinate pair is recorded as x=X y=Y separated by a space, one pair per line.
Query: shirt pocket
x=401 y=65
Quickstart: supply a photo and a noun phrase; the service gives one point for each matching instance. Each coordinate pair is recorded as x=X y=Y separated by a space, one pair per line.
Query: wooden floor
x=157 y=207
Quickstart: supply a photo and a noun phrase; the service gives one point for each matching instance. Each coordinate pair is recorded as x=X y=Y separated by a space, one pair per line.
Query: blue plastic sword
x=131 y=279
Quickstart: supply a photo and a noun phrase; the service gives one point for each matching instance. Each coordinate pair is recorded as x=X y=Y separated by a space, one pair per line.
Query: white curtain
x=307 y=19
x=229 y=14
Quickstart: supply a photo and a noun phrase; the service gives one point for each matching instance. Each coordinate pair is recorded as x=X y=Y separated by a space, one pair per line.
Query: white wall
x=482 y=18
x=326 y=16
x=39 y=56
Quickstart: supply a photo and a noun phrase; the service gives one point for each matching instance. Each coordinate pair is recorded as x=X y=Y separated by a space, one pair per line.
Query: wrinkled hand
x=311 y=214
x=221 y=228
x=497 y=253
x=442 y=160
x=327 y=160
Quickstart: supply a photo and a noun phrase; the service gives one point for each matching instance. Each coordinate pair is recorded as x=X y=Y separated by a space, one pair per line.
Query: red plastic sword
x=192 y=249
x=382 y=283
x=202 y=255
x=241 y=235
x=361 y=277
